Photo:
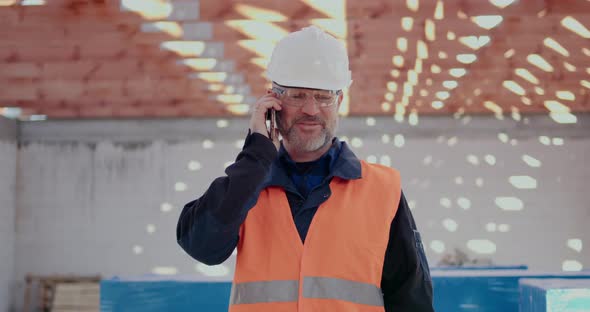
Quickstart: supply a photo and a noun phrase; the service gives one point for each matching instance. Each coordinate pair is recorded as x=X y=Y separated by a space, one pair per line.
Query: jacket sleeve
x=208 y=227
x=406 y=281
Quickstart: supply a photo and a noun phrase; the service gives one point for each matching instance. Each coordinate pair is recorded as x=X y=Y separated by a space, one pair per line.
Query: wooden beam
x=137 y=89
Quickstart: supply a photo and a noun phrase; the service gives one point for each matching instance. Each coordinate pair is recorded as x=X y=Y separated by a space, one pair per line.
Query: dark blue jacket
x=208 y=228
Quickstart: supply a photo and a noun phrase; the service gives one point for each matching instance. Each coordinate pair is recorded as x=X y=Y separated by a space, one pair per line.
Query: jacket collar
x=344 y=164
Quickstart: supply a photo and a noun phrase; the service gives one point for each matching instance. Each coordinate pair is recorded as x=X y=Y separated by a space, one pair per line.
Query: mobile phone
x=271 y=118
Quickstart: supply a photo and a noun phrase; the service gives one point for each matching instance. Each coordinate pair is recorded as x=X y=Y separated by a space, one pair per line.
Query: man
x=316 y=228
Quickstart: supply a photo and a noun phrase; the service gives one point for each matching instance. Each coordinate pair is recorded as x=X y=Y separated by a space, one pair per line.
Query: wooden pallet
x=62 y=293
x=82 y=297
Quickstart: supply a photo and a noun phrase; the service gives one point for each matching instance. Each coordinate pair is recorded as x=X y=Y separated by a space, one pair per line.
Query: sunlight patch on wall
x=514 y=87
x=531 y=161
x=472 y=159
x=457 y=72
x=479 y=182
x=150 y=228
x=555 y=46
x=194 y=165
x=491 y=227
x=148 y=9
x=475 y=42
x=437 y=246
x=545 y=140
x=259 y=47
x=180 y=186
x=32 y=2
x=450 y=84
x=523 y=182
x=464 y=203
x=239 y=143
x=503 y=137
x=495 y=108
x=540 y=62
x=481 y=246
x=450 y=225
x=407 y=23
x=259 y=13
x=413 y=118
x=575 y=26
x=333 y=9
x=503 y=228
x=502 y=3
x=163 y=270
x=385 y=160
x=575 y=244
x=222 y=123
x=509 y=203
x=487 y=21
x=258 y=30
x=166 y=207
x=490 y=159
x=219 y=270
x=445 y=202
x=452 y=141
x=399 y=140
x=526 y=75
x=466 y=58
x=185 y=48
x=138 y=250
x=571 y=266
x=437 y=104
x=208 y=144
x=356 y=142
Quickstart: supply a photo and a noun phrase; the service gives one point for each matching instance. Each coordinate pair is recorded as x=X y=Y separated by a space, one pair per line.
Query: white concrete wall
x=8 y=156
x=104 y=196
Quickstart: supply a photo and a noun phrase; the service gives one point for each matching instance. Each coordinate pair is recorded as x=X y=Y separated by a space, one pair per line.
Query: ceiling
x=189 y=58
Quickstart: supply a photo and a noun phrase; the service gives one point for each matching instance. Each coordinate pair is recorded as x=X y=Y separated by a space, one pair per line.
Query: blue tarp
x=454 y=291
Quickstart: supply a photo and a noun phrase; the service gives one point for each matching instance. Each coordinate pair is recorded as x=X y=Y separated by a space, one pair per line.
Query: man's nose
x=310 y=107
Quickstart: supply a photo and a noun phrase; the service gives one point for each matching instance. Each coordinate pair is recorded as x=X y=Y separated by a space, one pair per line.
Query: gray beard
x=300 y=144
x=310 y=145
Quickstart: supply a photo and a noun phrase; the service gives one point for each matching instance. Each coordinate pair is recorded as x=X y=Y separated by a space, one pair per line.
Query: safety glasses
x=298 y=97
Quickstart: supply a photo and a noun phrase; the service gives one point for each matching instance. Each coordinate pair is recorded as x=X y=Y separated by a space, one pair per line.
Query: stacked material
x=555 y=294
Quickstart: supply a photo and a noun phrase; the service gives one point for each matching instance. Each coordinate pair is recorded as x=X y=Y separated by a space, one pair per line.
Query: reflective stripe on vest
x=313 y=288
x=339 y=289
x=261 y=292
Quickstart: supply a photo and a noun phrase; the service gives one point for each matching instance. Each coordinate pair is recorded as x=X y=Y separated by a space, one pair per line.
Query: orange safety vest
x=339 y=267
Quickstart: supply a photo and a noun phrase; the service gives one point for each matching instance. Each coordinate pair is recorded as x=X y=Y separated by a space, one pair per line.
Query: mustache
x=310 y=119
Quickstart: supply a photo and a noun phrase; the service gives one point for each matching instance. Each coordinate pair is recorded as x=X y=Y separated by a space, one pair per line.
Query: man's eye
x=298 y=96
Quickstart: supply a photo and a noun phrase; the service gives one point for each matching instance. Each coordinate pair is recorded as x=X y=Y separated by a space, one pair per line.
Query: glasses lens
x=325 y=98
x=298 y=97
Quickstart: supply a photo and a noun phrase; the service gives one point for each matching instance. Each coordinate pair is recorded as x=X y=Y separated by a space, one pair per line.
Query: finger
x=271 y=99
x=268 y=104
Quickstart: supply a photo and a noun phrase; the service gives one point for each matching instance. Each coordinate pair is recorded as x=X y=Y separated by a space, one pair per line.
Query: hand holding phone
x=263 y=119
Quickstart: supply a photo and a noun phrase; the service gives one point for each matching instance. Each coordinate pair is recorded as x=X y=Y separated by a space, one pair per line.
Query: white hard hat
x=310 y=58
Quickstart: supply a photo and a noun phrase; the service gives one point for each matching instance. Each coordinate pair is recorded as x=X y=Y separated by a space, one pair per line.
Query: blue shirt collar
x=343 y=163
